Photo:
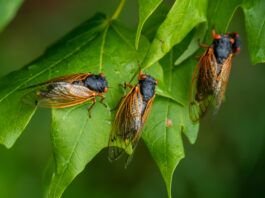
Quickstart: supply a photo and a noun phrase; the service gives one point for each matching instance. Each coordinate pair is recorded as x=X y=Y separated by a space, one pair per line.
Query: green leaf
x=220 y=14
x=67 y=56
x=164 y=141
x=15 y=117
x=8 y=10
x=193 y=45
x=255 y=27
x=181 y=19
x=146 y=8
x=76 y=140
x=96 y=46
x=155 y=20
x=186 y=48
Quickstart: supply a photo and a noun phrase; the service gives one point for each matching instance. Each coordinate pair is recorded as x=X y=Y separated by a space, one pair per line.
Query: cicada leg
x=202 y=45
x=91 y=106
x=126 y=85
x=101 y=101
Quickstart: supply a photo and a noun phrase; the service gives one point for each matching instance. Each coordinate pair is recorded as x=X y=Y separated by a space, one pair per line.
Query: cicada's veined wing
x=147 y=109
x=61 y=95
x=136 y=139
x=127 y=124
x=222 y=81
x=203 y=84
x=69 y=79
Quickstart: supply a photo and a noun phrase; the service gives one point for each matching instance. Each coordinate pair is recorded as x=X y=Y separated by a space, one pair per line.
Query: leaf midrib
x=259 y=33
x=167 y=111
x=102 y=48
x=122 y=37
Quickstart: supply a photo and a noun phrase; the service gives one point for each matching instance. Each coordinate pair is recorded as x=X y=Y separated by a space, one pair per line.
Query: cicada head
x=97 y=83
x=147 y=86
x=222 y=47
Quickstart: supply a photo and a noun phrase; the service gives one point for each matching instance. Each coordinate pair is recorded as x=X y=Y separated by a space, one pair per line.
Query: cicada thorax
x=223 y=76
x=222 y=47
x=130 y=117
x=67 y=91
x=97 y=83
x=147 y=86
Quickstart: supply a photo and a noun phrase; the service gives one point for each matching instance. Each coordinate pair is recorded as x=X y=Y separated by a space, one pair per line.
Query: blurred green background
x=228 y=159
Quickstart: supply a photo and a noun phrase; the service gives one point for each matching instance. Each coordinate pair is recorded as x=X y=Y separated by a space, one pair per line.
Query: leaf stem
x=118 y=10
x=102 y=49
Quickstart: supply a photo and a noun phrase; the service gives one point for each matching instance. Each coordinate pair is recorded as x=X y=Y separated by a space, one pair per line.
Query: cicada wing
x=137 y=137
x=127 y=123
x=61 y=95
x=202 y=86
x=69 y=79
x=193 y=105
x=147 y=110
x=222 y=81
x=198 y=109
x=130 y=157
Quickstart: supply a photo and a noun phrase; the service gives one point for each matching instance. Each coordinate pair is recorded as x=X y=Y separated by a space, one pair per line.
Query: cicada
x=131 y=116
x=211 y=75
x=69 y=90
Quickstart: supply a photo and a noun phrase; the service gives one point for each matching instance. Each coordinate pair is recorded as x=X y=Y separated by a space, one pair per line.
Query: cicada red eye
x=141 y=75
x=236 y=35
x=101 y=75
x=216 y=36
x=232 y=41
x=236 y=43
x=105 y=89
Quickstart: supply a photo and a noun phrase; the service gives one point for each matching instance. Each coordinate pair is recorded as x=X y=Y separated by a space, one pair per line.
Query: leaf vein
x=102 y=48
x=259 y=32
x=123 y=37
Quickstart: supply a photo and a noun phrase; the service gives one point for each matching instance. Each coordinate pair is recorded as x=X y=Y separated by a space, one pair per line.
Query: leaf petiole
x=118 y=10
